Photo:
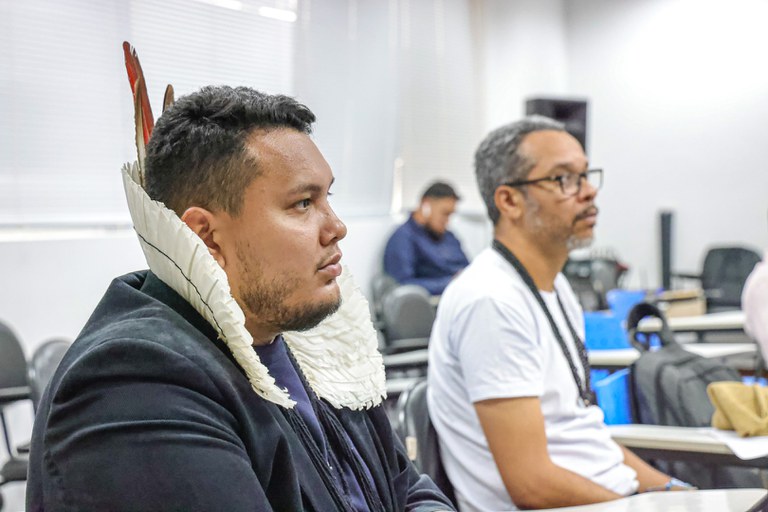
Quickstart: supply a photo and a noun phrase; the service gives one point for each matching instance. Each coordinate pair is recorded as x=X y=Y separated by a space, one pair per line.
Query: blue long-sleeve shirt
x=414 y=256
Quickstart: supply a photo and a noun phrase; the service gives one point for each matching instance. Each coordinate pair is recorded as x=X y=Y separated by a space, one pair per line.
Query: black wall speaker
x=572 y=113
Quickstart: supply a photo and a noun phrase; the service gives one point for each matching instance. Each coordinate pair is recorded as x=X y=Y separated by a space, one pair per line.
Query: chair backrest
x=13 y=374
x=13 y=364
x=724 y=271
x=592 y=278
x=607 y=274
x=45 y=360
x=381 y=284
x=588 y=297
x=579 y=275
x=419 y=436
x=407 y=313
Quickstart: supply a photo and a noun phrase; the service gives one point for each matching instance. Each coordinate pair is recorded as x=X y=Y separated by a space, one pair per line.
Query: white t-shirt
x=491 y=339
x=754 y=302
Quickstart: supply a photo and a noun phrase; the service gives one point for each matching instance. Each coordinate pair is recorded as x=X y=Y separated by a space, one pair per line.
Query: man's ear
x=510 y=202
x=205 y=224
x=426 y=208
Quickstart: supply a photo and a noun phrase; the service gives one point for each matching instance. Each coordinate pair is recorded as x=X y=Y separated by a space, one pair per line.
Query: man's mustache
x=591 y=210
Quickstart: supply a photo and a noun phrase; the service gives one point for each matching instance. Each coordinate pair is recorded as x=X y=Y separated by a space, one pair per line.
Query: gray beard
x=575 y=243
x=572 y=243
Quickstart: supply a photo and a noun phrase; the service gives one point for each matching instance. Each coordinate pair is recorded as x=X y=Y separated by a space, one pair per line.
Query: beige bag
x=739 y=407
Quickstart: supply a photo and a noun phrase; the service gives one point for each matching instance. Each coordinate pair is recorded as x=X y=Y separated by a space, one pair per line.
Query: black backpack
x=668 y=386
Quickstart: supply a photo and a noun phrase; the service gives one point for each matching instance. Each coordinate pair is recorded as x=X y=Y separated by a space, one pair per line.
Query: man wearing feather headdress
x=240 y=372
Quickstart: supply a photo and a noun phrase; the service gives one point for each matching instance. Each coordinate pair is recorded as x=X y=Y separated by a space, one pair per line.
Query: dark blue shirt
x=275 y=357
x=414 y=255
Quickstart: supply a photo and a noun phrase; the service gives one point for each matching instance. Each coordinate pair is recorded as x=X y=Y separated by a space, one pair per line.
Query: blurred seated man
x=509 y=390
x=193 y=386
x=422 y=251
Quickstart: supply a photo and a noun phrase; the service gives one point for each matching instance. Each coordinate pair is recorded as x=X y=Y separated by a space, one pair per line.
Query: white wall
x=525 y=54
x=50 y=286
x=678 y=112
x=679 y=120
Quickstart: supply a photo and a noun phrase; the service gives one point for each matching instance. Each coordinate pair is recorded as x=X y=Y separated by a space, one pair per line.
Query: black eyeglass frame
x=583 y=176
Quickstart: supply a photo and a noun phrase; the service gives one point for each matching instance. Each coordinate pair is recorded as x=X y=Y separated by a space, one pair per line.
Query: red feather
x=144 y=117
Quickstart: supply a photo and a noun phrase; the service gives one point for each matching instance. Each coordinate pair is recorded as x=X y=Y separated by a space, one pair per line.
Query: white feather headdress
x=339 y=357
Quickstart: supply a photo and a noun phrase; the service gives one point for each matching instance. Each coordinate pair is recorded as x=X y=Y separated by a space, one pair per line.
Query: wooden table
x=680 y=443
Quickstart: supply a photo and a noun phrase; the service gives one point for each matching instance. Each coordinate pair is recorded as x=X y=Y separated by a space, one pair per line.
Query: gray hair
x=498 y=160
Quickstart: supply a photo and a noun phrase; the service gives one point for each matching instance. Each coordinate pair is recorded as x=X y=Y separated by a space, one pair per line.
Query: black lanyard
x=586 y=394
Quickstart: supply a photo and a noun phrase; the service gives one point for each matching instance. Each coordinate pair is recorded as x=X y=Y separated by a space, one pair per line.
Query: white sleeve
x=754 y=301
x=498 y=347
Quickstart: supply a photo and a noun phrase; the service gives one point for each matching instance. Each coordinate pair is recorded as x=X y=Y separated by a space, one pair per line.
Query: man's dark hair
x=439 y=190
x=196 y=155
x=498 y=159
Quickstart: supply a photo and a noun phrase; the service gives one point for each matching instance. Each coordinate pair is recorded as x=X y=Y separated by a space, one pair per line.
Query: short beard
x=267 y=300
x=572 y=242
x=575 y=242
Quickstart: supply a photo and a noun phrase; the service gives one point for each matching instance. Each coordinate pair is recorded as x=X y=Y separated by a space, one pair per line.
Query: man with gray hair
x=509 y=389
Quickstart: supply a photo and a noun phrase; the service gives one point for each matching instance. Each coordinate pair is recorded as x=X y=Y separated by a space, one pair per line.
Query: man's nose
x=334 y=229
x=587 y=191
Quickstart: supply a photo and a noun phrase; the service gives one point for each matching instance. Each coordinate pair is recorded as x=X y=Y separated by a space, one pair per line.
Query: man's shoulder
x=405 y=230
x=486 y=281
x=127 y=318
x=488 y=274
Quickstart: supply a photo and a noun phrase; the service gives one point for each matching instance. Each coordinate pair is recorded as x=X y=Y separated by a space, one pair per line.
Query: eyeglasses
x=570 y=182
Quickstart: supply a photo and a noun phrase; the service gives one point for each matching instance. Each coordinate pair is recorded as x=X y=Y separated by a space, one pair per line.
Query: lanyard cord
x=585 y=392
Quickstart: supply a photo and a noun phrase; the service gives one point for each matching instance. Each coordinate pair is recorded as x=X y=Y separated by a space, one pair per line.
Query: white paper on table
x=745 y=448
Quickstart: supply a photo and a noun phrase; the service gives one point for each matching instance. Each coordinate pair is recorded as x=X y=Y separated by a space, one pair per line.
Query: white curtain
x=390 y=81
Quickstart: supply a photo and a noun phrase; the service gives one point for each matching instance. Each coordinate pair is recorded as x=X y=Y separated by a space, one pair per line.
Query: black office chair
x=407 y=315
x=723 y=274
x=420 y=438
x=381 y=284
x=592 y=278
x=14 y=387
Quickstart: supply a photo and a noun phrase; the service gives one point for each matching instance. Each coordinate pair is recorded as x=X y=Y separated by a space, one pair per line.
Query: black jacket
x=148 y=411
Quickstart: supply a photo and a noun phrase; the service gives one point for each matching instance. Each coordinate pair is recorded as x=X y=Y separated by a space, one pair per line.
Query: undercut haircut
x=498 y=159
x=440 y=190
x=197 y=156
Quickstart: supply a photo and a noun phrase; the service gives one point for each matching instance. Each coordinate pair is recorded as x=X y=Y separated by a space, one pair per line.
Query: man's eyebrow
x=567 y=167
x=309 y=187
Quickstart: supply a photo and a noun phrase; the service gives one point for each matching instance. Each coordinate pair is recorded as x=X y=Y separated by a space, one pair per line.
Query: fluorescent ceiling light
x=277 y=14
x=235 y=5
